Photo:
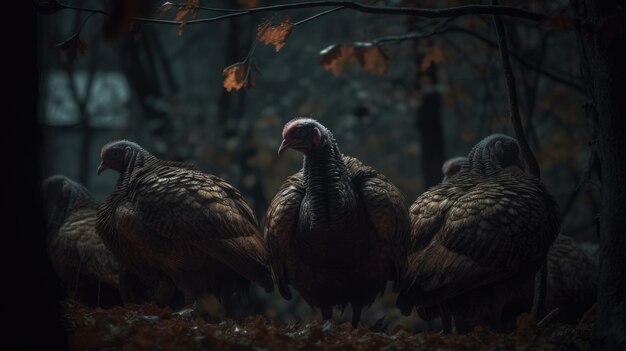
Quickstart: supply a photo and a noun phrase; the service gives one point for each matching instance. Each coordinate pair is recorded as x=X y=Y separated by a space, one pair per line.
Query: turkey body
x=572 y=275
x=478 y=238
x=87 y=268
x=571 y=283
x=180 y=227
x=337 y=231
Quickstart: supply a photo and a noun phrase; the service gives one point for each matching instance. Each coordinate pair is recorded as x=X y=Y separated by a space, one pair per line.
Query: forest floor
x=149 y=327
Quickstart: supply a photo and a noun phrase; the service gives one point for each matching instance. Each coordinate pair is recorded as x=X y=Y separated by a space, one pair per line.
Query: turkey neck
x=140 y=160
x=329 y=188
x=79 y=198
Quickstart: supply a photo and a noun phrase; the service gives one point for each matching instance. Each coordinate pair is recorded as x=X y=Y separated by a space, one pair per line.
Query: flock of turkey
x=337 y=231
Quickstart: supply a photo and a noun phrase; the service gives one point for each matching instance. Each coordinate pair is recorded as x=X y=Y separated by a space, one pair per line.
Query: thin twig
x=525 y=62
x=587 y=316
x=583 y=181
x=80 y=28
x=318 y=15
x=401 y=11
x=527 y=153
x=249 y=56
x=548 y=318
x=82 y=9
x=520 y=59
x=404 y=37
x=437 y=29
x=380 y=10
x=531 y=90
x=214 y=9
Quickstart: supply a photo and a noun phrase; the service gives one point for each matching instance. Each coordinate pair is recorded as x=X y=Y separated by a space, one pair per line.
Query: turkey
x=572 y=282
x=478 y=238
x=85 y=266
x=452 y=167
x=182 y=228
x=572 y=278
x=338 y=230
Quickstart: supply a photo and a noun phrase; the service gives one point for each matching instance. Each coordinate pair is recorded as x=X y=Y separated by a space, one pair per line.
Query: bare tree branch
x=539 y=300
x=531 y=90
x=380 y=10
x=437 y=29
x=547 y=319
x=318 y=15
x=81 y=9
x=525 y=62
x=442 y=30
x=527 y=153
x=591 y=165
x=214 y=9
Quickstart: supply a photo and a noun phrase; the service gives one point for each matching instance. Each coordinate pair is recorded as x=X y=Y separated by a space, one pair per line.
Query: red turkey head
x=303 y=135
x=117 y=155
x=452 y=167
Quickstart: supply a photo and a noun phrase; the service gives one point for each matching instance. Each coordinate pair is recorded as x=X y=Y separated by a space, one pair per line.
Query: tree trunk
x=602 y=34
x=428 y=122
x=139 y=67
x=31 y=291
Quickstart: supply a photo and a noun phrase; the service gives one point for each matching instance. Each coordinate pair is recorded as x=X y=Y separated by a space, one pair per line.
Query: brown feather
x=337 y=230
x=571 y=284
x=192 y=228
x=477 y=238
x=87 y=268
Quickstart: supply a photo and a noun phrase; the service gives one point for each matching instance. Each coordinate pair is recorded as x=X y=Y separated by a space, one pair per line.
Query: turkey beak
x=283 y=146
x=101 y=168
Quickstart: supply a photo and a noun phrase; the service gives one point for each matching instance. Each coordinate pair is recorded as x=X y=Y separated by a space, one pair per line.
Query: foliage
x=237 y=76
x=370 y=57
x=274 y=35
x=148 y=327
x=73 y=46
x=434 y=55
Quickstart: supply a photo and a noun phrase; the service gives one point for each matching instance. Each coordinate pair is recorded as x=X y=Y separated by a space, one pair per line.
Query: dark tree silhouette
x=26 y=270
x=602 y=33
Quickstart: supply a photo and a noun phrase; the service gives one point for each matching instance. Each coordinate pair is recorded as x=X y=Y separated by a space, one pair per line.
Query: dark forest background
x=164 y=91
x=441 y=94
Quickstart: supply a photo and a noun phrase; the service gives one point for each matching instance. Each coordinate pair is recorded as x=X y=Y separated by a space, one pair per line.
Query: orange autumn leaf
x=248 y=3
x=165 y=8
x=235 y=77
x=372 y=58
x=562 y=22
x=182 y=13
x=72 y=47
x=369 y=56
x=336 y=57
x=135 y=29
x=191 y=6
x=434 y=55
x=274 y=35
